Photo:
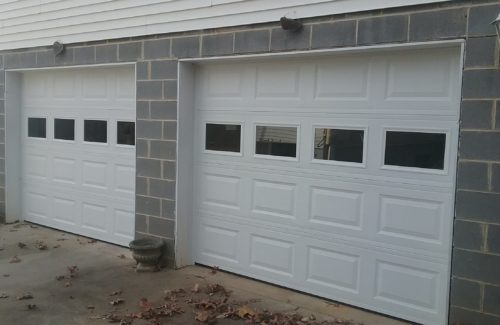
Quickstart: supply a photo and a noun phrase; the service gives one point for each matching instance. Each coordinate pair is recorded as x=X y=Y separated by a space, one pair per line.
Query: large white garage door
x=78 y=151
x=332 y=175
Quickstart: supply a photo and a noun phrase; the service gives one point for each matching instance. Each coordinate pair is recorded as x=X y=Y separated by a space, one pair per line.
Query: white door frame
x=13 y=93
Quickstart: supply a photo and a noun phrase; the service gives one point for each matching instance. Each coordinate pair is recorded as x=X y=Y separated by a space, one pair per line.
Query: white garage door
x=78 y=151
x=332 y=175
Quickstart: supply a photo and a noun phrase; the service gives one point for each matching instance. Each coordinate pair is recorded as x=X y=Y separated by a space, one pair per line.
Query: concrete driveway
x=51 y=277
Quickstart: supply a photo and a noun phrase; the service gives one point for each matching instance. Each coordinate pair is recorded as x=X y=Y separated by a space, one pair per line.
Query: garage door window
x=36 y=127
x=340 y=145
x=276 y=141
x=95 y=131
x=125 y=133
x=415 y=149
x=64 y=129
x=223 y=137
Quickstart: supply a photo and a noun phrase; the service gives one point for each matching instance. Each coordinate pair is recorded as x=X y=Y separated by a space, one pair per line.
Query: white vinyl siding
x=28 y=23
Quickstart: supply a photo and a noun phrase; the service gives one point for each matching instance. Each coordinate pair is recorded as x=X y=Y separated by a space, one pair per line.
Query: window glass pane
x=95 y=131
x=64 y=129
x=338 y=144
x=36 y=127
x=415 y=149
x=125 y=133
x=223 y=137
x=276 y=141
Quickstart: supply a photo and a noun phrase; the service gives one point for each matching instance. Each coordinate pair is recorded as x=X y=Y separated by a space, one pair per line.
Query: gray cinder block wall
x=475 y=288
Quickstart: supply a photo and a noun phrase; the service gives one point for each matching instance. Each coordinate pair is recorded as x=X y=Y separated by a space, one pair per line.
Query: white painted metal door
x=78 y=152
x=360 y=210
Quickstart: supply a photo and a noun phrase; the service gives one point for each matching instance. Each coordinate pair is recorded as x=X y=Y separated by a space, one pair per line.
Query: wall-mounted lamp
x=290 y=24
x=496 y=23
x=58 y=48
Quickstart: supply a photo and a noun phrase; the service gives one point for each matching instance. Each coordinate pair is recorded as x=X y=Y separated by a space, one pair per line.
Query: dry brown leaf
x=31 y=307
x=122 y=256
x=56 y=246
x=60 y=277
x=3 y=296
x=245 y=312
x=14 y=259
x=196 y=288
x=67 y=284
x=24 y=296
x=21 y=245
x=202 y=316
x=90 y=307
x=215 y=269
x=117 y=301
x=116 y=293
x=41 y=246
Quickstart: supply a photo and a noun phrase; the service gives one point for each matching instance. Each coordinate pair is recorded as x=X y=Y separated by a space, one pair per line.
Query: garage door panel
x=88 y=187
x=363 y=212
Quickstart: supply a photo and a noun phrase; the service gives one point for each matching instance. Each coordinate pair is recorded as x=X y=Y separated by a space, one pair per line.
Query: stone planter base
x=147 y=253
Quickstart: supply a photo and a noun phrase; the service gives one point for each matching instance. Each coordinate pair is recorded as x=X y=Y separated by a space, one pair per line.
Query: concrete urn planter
x=147 y=253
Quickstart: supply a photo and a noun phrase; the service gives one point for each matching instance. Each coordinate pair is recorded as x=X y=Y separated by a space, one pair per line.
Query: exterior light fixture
x=290 y=24
x=496 y=22
x=58 y=48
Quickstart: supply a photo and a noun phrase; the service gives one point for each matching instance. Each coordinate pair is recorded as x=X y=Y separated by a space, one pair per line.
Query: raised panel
x=36 y=166
x=342 y=79
x=220 y=243
x=125 y=86
x=37 y=205
x=335 y=207
x=35 y=86
x=221 y=190
x=94 y=88
x=63 y=85
x=333 y=269
x=277 y=82
x=411 y=218
x=64 y=170
x=405 y=285
x=125 y=178
x=420 y=76
x=94 y=216
x=65 y=210
x=124 y=222
x=94 y=174
x=271 y=255
x=224 y=82
x=274 y=198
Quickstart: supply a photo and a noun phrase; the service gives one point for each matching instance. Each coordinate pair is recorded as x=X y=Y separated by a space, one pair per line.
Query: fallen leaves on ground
x=31 y=307
x=3 y=295
x=6 y=275
x=24 y=296
x=56 y=246
x=196 y=288
x=21 y=245
x=116 y=293
x=41 y=246
x=116 y=302
x=14 y=259
x=214 y=269
x=73 y=271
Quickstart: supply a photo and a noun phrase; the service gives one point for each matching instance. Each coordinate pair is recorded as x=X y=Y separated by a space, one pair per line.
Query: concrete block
x=390 y=29
x=477 y=145
x=147 y=205
x=106 y=53
x=141 y=223
x=186 y=47
x=148 y=167
x=148 y=129
x=142 y=70
x=217 y=44
x=149 y=89
x=166 y=69
x=170 y=89
x=141 y=148
x=85 y=55
x=493 y=244
x=437 y=25
x=168 y=209
x=157 y=49
x=480 y=51
x=476 y=114
x=472 y=176
x=164 y=110
x=282 y=40
x=459 y=316
x=480 y=19
x=163 y=150
x=170 y=130
x=336 y=34
x=467 y=235
x=465 y=293
x=160 y=227
x=251 y=41
x=495 y=178
x=130 y=51
x=143 y=109
x=169 y=170
x=45 y=58
x=163 y=189
x=478 y=206
x=141 y=186
x=476 y=266
x=491 y=302
x=483 y=83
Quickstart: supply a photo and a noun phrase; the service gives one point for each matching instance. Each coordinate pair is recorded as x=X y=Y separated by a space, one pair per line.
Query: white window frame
x=107 y=143
x=222 y=152
x=272 y=157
